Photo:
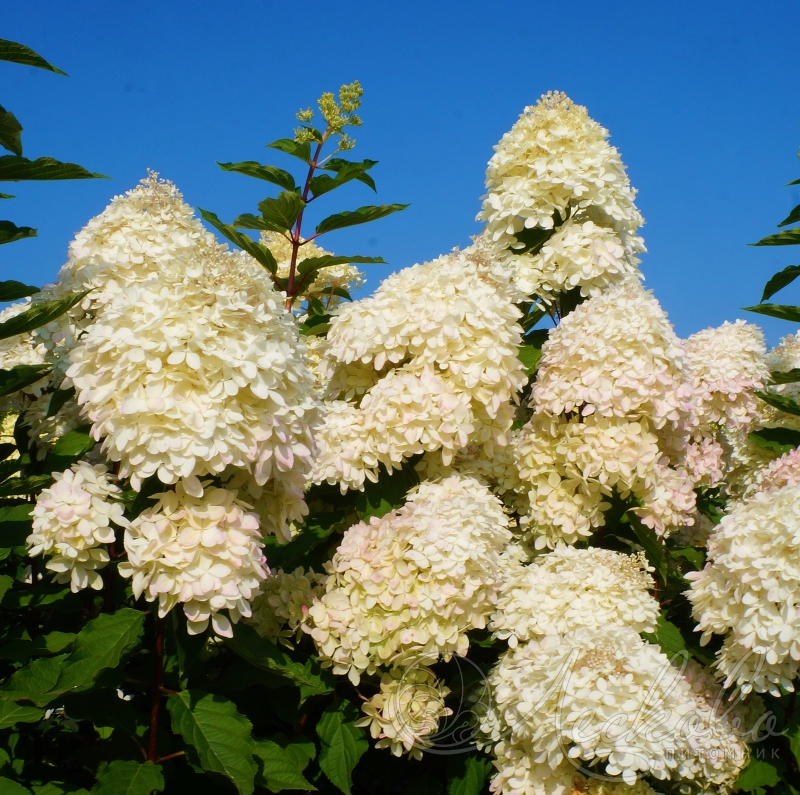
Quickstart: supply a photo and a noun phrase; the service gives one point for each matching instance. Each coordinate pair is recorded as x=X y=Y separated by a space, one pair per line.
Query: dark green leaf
x=10 y=233
x=10 y=132
x=529 y=355
x=14 y=169
x=264 y=654
x=346 y=172
x=6 y=449
x=343 y=744
x=100 y=645
x=362 y=215
x=776 y=310
x=785 y=377
x=388 y=493
x=10 y=467
x=16 y=524
x=7 y=196
x=291 y=147
x=13 y=291
x=58 y=399
x=668 y=637
x=532 y=240
x=279 y=214
x=466 y=774
x=45 y=594
x=9 y=787
x=277 y=176
x=316 y=530
x=780 y=440
x=218 y=733
x=793 y=734
x=69 y=448
x=757 y=776
x=652 y=545
x=694 y=556
x=14 y=487
x=339 y=163
x=326 y=260
x=789 y=237
x=12 y=713
x=792 y=218
x=260 y=253
x=128 y=778
x=278 y=768
x=38 y=315
x=6 y=583
x=19 y=53
x=42 y=646
x=21 y=376
x=780 y=402
x=532 y=318
x=780 y=280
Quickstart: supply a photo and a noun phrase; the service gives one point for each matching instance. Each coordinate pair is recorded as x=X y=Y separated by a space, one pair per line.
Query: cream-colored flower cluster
x=612 y=406
x=750 y=591
x=73 y=521
x=571 y=588
x=431 y=360
x=726 y=364
x=190 y=373
x=281 y=609
x=408 y=586
x=200 y=550
x=405 y=713
x=606 y=697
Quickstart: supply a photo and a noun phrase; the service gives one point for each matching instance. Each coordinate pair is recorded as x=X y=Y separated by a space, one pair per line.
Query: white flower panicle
x=73 y=520
x=606 y=697
x=187 y=374
x=571 y=588
x=750 y=592
x=411 y=584
x=615 y=355
x=405 y=713
x=783 y=471
x=726 y=364
x=202 y=551
x=554 y=157
x=281 y=609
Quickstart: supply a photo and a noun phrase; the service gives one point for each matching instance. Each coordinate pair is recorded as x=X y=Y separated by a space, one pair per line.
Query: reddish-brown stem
x=290 y=296
x=155 y=691
x=171 y=756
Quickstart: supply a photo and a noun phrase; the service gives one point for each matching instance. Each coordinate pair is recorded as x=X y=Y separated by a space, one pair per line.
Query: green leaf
x=388 y=493
x=780 y=280
x=793 y=735
x=10 y=467
x=279 y=214
x=15 y=487
x=6 y=449
x=780 y=440
x=668 y=637
x=338 y=163
x=785 y=376
x=128 y=778
x=792 y=218
x=44 y=645
x=310 y=264
x=781 y=402
x=69 y=448
x=13 y=291
x=219 y=735
x=16 y=524
x=9 y=787
x=466 y=774
x=291 y=147
x=260 y=253
x=6 y=583
x=343 y=744
x=345 y=172
x=652 y=546
x=14 y=168
x=278 y=768
x=789 y=237
x=529 y=355
x=100 y=645
x=39 y=315
x=11 y=714
x=9 y=233
x=58 y=399
x=264 y=654
x=19 y=53
x=21 y=376
x=362 y=215
x=10 y=132
x=277 y=176
x=532 y=240
x=776 y=310
x=316 y=531
x=757 y=776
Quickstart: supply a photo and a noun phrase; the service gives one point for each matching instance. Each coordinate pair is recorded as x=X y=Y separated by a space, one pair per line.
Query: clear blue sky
x=700 y=98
